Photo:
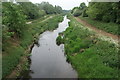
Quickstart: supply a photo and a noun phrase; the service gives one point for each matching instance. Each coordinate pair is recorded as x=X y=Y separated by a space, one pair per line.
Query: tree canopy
x=103 y=11
x=81 y=10
x=13 y=18
x=49 y=9
x=15 y=15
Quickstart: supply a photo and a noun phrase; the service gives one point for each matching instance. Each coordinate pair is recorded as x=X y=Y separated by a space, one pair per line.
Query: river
x=48 y=59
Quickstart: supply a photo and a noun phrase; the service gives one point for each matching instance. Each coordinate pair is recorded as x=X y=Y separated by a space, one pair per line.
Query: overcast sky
x=65 y=4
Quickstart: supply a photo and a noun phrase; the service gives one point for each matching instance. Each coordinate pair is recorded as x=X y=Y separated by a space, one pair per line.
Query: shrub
x=106 y=18
x=84 y=14
x=77 y=12
x=59 y=40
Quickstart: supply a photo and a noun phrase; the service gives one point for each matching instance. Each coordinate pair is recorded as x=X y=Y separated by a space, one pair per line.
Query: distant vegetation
x=103 y=15
x=49 y=9
x=103 y=11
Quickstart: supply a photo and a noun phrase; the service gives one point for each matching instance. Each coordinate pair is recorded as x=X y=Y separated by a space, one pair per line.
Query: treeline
x=34 y=11
x=15 y=15
x=102 y=11
x=49 y=9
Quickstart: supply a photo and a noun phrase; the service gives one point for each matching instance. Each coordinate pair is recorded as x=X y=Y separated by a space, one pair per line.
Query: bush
x=59 y=40
x=13 y=18
x=106 y=18
x=77 y=12
x=118 y=20
x=84 y=14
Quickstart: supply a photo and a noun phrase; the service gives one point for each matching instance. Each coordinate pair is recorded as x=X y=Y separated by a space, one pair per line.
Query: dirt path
x=46 y=19
x=98 y=31
x=41 y=21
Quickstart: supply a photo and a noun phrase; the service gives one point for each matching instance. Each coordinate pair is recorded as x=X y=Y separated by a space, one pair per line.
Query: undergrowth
x=89 y=55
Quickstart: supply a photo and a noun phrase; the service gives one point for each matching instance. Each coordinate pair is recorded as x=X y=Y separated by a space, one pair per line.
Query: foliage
x=58 y=9
x=82 y=6
x=107 y=12
x=13 y=18
x=59 y=40
x=84 y=14
x=90 y=56
x=74 y=9
x=77 y=12
x=108 y=27
x=17 y=35
x=12 y=58
x=6 y=34
x=103 y=15
x=31 y=10
x=14 y=50
x=49 y=9
x=81 y=10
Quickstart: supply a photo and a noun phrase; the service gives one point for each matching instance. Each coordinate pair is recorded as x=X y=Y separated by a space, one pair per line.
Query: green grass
x=10 y=61
x=108 y=27
x=90 y=56
x=15 y=50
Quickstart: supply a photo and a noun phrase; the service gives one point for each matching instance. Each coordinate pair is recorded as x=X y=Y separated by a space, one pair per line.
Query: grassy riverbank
x=89 y=55
x=109 y=27
x=15 y=48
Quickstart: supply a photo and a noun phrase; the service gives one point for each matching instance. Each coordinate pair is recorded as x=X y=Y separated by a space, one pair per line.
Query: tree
x=81 y=10
x=104 y=11
x=58 y=9
x=74 y=9
x=13 y=18
x=48 y=8
x=30 y=10
x=77 y=12
x=116 y=11
x=82 y=6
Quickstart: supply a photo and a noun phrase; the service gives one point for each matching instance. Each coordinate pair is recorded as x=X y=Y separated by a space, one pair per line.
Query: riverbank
x=109 y=27
x=48 y=59
x=16 y=50
x=91 y=56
